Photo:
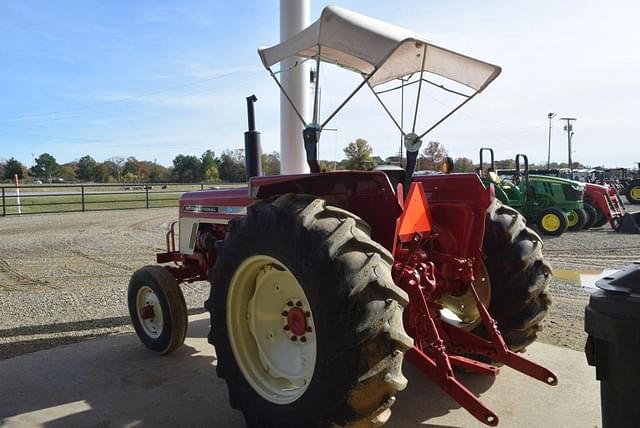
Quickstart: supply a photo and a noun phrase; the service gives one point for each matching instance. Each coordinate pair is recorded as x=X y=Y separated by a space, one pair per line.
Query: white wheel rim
x=462 y=311
x=149 y=312
x=276 y=359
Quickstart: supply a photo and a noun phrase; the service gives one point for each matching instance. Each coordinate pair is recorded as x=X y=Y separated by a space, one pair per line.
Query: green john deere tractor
x=553 y=204
x=632 y=189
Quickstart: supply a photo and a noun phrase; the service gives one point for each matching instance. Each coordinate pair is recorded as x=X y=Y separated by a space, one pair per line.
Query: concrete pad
x=116 y=382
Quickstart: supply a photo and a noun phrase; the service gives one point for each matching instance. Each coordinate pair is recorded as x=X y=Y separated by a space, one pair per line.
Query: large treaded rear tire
x=519 y=276
x=357 y=312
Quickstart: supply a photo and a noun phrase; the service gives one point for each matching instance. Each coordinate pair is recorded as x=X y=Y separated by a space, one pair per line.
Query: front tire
x=576 y=220
x=354 y=331
x=157 y=309
x=519 y=276
x=592 y=216
x=552 y=221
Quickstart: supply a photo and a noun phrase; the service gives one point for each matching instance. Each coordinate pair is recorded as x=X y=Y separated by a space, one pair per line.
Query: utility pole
x=569 y=128
x=549 y=116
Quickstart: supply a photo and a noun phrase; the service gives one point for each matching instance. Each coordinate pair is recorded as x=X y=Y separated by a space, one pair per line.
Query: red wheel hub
x=296 y=321
x=147 y=312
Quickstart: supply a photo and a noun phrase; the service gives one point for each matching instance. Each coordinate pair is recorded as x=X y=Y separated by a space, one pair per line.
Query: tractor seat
x=495 y=178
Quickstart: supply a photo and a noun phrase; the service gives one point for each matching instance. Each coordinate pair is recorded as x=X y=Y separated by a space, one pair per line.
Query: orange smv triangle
x=416 y=217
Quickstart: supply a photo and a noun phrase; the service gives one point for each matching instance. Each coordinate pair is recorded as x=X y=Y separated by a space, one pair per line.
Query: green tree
x=67 y=172
x=117 y=164
x=358 y=155
x=129 y=177
x=103 y=173
x=12 y=167
x=187 y=168
x=505 y=164
x=432 y=156
x=463 y=164
x=232 y=166
x=326 y=165
x=132 y=167
x=87 y=168
x=211 y=174
x=270 y=163
x=45 y=166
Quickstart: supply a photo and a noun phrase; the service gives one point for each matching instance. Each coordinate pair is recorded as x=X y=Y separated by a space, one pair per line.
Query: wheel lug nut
x=284 y=313
x=307 y=314
x=309 y=329
x=303 y=339
x=289 y=303
x=294 y=338
x=286 y=327
x=298 y=303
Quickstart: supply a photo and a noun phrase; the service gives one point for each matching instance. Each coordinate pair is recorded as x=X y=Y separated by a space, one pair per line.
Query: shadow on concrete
x=423 y=400
x=76 y=325
x=114 y=383
x=83 y=330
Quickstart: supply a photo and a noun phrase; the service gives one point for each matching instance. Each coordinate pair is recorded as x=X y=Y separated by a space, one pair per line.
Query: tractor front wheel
x=592 y=216
x=519 y=276
x=552 y=221
x=577 y=219
x=306 y=319
x=157 y=309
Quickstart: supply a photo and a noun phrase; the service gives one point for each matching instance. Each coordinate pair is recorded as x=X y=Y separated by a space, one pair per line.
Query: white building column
x=294 y=17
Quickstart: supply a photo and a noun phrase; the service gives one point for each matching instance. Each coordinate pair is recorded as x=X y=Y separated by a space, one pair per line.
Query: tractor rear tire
x=519 y=276
x=552 y=221
x=632 y=192
x=165 y=327
x=577 y=220
x=353 y=305
x=592 y=216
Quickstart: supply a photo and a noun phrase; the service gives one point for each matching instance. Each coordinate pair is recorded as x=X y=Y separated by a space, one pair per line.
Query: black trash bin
x=612 y=320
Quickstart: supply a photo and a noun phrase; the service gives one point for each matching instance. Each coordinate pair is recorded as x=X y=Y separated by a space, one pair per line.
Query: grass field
x=35 y=200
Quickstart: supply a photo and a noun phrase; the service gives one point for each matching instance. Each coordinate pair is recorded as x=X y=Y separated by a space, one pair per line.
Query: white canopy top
x=367 y=45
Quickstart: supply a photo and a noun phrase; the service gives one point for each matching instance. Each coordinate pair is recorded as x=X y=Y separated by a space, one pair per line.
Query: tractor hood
x=576 y=185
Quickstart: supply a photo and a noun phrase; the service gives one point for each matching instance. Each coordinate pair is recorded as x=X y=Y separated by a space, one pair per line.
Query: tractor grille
x=572 y=194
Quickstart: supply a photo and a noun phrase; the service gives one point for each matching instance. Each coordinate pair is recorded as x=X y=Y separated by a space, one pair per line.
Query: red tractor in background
x=322 y=283
x=603 y=204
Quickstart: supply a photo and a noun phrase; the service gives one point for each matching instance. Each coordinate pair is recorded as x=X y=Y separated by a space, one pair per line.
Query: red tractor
x=322 y=283
x=603 y=205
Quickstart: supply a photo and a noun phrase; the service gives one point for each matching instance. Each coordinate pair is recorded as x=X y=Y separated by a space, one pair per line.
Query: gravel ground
x=63 y=277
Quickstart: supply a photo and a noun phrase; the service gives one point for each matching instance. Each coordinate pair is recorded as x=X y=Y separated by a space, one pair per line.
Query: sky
x=154 y=79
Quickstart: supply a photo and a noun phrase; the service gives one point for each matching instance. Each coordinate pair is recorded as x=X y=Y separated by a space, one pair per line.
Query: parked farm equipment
x=322 y=282
x=553 y=204
x=632 y=189
x=603 y=205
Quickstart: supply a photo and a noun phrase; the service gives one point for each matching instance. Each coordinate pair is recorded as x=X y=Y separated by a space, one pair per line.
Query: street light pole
x=549 y=116
x=569 y=128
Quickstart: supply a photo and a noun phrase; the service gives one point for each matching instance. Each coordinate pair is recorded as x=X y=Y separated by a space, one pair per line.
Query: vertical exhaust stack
x=252 y=149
